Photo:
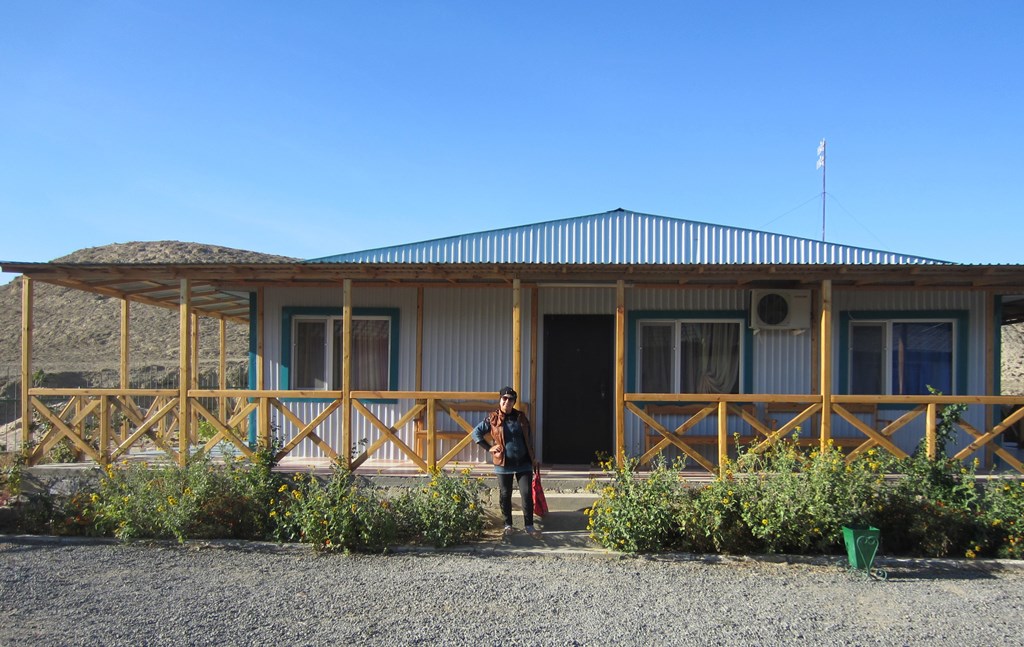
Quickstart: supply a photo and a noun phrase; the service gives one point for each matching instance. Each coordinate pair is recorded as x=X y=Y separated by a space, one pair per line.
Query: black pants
x=525 y=481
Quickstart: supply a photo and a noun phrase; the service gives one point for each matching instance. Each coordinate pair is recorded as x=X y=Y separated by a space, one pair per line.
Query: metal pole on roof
x=821 y=165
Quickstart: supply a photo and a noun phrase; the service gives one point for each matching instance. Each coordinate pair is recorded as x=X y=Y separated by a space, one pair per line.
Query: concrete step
x=565 y=501
x=566 y=511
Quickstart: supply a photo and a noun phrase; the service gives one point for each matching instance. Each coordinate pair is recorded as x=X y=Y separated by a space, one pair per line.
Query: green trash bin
x=861 y=546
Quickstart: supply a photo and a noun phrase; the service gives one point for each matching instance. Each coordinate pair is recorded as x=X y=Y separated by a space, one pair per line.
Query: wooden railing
x=804 y=408
x=105 y=425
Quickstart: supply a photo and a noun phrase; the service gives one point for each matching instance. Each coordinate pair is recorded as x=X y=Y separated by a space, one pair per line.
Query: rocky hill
x=76 y=335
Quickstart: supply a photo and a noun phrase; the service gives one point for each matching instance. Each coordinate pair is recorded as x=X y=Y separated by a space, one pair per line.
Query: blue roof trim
x=626 y=237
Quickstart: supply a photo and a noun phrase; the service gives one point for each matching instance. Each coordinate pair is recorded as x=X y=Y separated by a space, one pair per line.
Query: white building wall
x=467 y=334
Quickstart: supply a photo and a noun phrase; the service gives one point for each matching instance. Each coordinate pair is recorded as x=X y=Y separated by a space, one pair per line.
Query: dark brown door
x=579 y=385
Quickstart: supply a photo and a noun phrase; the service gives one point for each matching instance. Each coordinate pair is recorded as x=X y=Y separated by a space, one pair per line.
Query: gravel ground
x=258 y=594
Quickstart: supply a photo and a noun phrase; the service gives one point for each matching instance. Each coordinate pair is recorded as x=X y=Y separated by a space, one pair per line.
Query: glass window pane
x=656 y=358
x=922 y=356
x=867 y=365
x=709 y=355
x=310 y=356
x=371 y=354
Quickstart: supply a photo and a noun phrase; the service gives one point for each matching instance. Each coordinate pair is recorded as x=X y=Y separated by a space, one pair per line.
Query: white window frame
x=676 y=323
x=329 y=347
x=887 y=348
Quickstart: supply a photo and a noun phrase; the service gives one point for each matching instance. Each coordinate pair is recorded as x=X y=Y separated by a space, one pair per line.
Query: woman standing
x=506 y=434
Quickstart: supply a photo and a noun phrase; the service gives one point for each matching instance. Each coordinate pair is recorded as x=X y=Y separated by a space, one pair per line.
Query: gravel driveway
x=258 y=594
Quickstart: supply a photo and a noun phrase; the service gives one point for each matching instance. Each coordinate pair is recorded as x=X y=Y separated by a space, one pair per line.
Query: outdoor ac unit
x=780 y=309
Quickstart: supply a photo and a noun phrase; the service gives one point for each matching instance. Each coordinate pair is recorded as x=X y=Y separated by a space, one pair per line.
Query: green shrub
x=1001 y=523
x=637 y=514
x=334 y=516
x=786 y=499
x=200 y=500
x=447 y=510
x=932 y=508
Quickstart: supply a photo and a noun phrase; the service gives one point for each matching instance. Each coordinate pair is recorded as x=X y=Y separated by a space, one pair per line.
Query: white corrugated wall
x=468 y=333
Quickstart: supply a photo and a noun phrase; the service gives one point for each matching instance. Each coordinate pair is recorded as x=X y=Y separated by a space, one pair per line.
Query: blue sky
x=316 y=128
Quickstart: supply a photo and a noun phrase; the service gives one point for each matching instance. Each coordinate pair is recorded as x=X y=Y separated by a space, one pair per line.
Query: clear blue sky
x=316 y=128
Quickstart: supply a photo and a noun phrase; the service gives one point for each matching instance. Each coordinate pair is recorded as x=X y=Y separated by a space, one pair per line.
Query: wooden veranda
x=106 y=425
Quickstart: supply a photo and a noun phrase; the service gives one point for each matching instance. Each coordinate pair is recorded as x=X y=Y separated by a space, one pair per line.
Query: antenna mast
x=821 y=165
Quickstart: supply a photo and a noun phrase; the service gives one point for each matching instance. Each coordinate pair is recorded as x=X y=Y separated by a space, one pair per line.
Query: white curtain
x=710 y=358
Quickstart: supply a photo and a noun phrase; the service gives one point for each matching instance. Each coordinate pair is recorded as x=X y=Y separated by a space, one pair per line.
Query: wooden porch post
x=222 y=366
x=620 y=373
x=534 y=301
x=419 y=338
x=723 y=438
x=194 y=379
x=826 y=363
x=123 y=367
x=184 y=370
x=263 y=417
x=26 y=360
x=261 y=382
x=346 y=374
x=517 y=337
x=990 y=369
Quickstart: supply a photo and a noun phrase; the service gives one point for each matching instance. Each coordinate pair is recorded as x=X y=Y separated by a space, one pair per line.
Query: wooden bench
x=462 y=408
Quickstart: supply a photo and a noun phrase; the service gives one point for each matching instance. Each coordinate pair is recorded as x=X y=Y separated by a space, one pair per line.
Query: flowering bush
x=446 y=511
x=786 y=499
x=1001 y=523
x=637 y=514
x=790 y=499
x=338 y=515
x=200 y=500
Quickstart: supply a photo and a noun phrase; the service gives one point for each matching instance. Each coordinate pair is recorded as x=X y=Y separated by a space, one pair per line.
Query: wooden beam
x=261 y=382
x=263 y=414
x=990 y=367
x=723 y=439
x=815 y=386
x=27 y=304
x=184 y=369
x=123 y=364
x=620 y=373
x=346 y=374
x=825 y=381
x=517 y=337
x=930 y=435
x=534 y=301
x=222 y=364
x=124 y=360
x=419 y=338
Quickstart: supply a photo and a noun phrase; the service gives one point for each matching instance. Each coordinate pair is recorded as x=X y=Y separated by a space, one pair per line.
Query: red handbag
x=540 y=502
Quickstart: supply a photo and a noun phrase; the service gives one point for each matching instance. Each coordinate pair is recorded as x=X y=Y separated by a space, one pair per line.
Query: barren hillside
x=76 y=335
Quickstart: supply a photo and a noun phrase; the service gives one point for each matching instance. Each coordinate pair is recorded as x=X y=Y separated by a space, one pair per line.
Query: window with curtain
x=689 y=356
x=317 y=355
x=901 y=357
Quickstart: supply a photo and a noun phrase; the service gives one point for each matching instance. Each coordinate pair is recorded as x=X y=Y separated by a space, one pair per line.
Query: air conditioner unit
x=780 y=309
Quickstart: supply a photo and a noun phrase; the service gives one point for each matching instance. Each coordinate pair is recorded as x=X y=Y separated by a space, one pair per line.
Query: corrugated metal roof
x=625 y=237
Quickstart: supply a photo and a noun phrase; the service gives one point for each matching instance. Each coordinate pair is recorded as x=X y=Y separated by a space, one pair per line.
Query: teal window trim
x=288 y=313
x=961 y=319
x=739 y=316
